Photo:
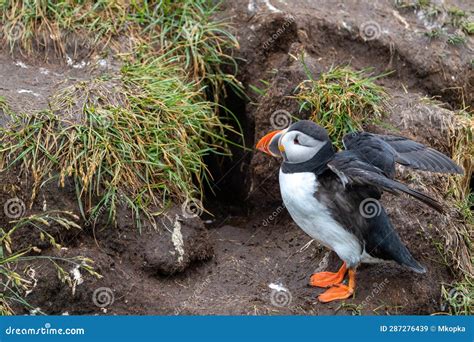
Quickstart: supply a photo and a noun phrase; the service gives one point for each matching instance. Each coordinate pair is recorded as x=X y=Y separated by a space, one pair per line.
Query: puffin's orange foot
x=339 y=291
x=326 y=279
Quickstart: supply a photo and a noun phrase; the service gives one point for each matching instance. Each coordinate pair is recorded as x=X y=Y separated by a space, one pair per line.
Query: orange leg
x=326 y=279
x=339 y=291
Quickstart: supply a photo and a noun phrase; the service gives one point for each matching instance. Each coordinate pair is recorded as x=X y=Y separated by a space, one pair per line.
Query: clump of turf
x=138 y=138
x=15 y=279
x=158 y=118
x=342 y=100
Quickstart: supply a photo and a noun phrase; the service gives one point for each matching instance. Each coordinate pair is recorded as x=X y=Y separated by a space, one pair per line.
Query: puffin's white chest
x=297 y=191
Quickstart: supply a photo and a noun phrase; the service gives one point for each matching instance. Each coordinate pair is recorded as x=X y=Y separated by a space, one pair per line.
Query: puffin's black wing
x=354 y=171
x=419 y=156
x=383 y=150
x=372 y=150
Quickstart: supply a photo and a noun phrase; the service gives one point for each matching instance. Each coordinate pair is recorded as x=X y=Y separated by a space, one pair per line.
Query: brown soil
x=233 y=263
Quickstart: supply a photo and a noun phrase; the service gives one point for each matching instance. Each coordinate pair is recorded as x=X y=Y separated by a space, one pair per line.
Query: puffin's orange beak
x=264 y=143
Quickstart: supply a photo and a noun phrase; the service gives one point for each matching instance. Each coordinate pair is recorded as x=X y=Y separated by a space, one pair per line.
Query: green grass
x=416 y=4
x=468 y=27
x=261 y=89
x=434 y=33
x=456 y=39
x=458 y=298
x=201 y=43
x=30 y=23
x=456 y=15
x=465 y=206
x=457 y=18
x=184 y=28
x=342 y=100
x=460 y=19
x=4 y=106
x=139 y=138
x=15 y=274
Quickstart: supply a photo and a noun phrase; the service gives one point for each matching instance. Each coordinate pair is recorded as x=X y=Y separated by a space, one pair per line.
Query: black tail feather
x=382 y=241
x=425 y=199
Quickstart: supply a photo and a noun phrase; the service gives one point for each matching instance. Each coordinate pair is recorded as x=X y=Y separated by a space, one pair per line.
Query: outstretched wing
x=384 y=150
x=354 y=171
x=418 y=156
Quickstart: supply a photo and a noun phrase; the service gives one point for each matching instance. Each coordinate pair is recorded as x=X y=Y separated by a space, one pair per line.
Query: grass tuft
x=461 y=143
x=342 y=100
x=30 y=24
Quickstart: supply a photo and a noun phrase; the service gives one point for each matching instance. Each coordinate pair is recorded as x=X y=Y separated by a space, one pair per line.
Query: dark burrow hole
x=227 y=188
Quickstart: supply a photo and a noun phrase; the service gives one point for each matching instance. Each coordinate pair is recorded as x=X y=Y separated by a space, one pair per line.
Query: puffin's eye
x=295 y=141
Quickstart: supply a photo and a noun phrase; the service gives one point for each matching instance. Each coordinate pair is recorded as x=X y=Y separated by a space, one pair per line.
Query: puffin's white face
x=297 y=144
x=298 y=147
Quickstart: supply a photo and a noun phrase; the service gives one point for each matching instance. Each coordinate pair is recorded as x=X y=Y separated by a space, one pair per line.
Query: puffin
x=335 y=196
